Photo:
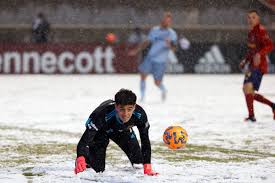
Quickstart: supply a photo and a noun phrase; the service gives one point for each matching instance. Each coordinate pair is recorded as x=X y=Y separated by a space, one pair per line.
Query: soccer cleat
x=273 y=110
x=163 y=95
x=141 y=99
x=250 y=119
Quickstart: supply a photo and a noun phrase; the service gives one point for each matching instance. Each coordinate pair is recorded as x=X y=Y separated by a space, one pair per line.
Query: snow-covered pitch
x=42 y=118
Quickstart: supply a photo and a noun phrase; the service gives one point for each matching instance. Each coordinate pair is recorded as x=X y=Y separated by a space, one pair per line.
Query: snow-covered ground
x=42 y=119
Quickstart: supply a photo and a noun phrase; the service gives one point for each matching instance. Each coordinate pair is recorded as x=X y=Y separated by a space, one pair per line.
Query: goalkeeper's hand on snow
x=80 y=164
x=148 y=170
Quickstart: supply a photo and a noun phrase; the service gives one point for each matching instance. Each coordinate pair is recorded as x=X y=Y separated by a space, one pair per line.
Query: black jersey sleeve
x=84 y=143
x=93 y=126
x=143 y=127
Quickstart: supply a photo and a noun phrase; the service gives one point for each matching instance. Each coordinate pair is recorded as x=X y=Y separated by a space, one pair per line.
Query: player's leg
x=248 y=89
x=97 y=153
x=128 y=142
x=144 y=68
x=143 y=77
x=158 y=73
x=260 y=98
x=252 y=83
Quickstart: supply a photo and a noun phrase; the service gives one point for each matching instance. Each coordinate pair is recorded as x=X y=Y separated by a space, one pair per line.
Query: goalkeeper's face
x=125 y=112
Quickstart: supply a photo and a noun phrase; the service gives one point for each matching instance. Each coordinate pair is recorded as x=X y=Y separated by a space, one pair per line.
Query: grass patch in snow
x=33 y=153
x=39 y=131
x=208 y=153
x=29 y=174
x=21 y=153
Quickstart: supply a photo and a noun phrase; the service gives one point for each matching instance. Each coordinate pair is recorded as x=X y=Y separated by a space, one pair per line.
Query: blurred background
x=94 y=36
x=46 y=46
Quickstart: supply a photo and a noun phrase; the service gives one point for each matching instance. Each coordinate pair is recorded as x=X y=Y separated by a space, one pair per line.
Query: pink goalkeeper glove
x=80 y=165
x=148 y=170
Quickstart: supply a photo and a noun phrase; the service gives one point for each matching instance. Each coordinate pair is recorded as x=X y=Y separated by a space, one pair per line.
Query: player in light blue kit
x=161 y=39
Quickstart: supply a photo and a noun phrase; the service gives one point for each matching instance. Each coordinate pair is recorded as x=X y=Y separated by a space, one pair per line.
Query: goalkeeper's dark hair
x=125 y=97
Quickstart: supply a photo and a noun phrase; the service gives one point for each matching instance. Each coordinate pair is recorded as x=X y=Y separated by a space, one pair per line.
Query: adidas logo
x=173 y=65
x=212 y=62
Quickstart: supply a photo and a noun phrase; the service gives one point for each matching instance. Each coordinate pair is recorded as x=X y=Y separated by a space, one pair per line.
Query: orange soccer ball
x=111 y=38
x=175 y=137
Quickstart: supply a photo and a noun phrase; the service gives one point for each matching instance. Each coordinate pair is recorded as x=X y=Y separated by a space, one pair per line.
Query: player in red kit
x=259 y=45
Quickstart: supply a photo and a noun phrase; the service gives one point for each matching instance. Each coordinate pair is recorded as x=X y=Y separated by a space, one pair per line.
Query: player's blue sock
x=142 y=88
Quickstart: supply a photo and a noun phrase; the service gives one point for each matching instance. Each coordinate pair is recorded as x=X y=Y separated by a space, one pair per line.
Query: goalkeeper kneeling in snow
x=114 y=120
